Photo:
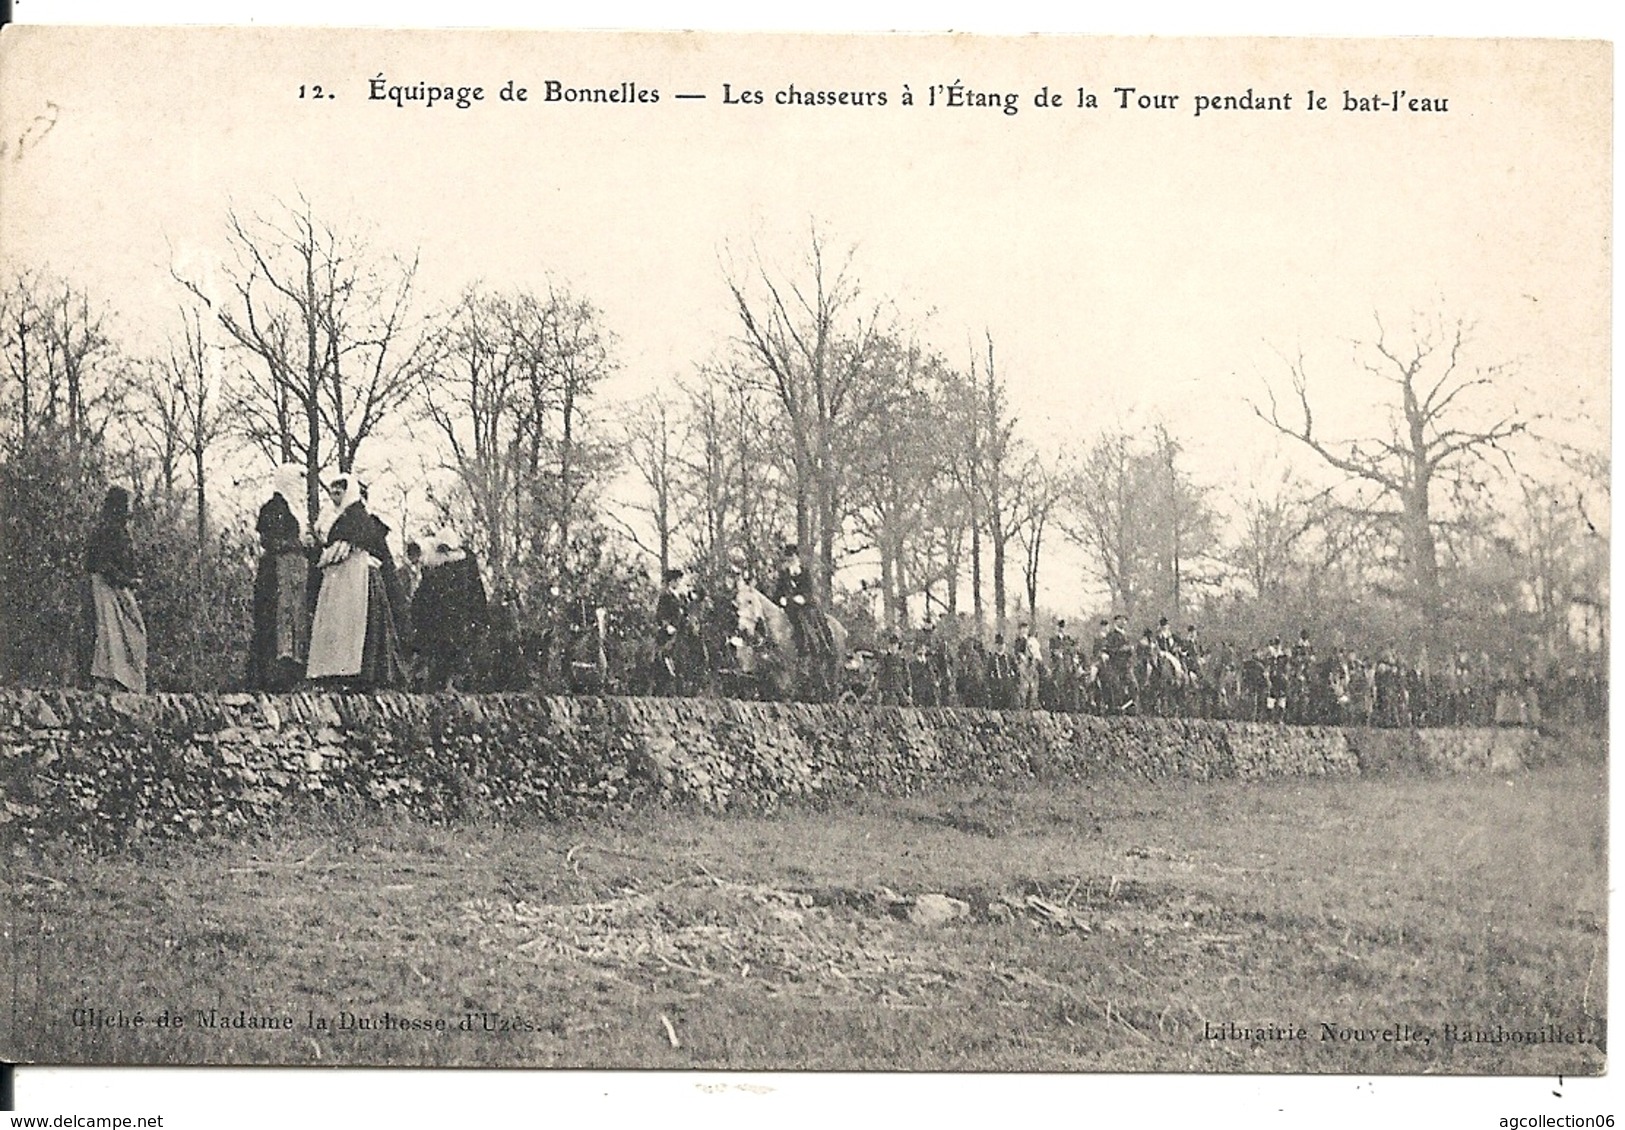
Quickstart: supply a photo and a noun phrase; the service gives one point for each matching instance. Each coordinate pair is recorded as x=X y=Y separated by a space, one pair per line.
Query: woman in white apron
x=117 y=632
x=354 y=641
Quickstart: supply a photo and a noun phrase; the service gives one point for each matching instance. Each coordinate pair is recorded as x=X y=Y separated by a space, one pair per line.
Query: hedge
x=100 y=769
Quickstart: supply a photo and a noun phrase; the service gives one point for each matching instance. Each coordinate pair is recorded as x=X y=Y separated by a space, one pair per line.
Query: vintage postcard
x=772 y=553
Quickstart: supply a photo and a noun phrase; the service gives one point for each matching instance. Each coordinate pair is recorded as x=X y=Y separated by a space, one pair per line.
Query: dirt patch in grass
x=1113 y=926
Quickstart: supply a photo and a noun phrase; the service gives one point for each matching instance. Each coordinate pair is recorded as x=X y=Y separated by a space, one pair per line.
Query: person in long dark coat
x=793 y=591
x=354 y=639
x=450 y=611
x=281 y=639
x=115 y=652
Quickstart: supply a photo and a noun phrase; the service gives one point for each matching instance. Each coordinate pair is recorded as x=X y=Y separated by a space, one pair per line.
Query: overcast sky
x=1129 y=264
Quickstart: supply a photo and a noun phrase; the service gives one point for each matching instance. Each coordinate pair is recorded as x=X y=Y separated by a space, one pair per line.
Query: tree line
x=905 y=472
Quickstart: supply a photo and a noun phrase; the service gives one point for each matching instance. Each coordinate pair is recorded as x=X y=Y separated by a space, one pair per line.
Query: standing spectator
x=893 y=675
x=1029 y=667
x=281 y=639
x=450 y=612
x=922 y=675
x=940 y=660
x=1389 y=682
x=972 y=673
x=1001 y=676
x=412 y=571
x=354 y=640
x=115 y=631
x=1255 y=686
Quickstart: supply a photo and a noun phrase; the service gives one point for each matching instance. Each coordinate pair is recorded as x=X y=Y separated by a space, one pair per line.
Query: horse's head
x=747 y=608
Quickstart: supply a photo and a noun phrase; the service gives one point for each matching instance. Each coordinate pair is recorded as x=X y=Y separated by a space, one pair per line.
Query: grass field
x=1108 y=926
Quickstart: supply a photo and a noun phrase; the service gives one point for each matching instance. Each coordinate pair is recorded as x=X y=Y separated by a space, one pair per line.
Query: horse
x=779 y=667
x=1164 y=679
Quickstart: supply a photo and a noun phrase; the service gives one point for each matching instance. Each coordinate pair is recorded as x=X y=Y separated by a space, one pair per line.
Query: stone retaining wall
x=101 y=769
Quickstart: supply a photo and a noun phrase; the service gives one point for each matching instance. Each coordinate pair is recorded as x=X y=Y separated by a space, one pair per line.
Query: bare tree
x=1272 y=526
x=1147 y=527
x=1182 y=530
x=63 y=373
x=327 y=323
x=1105 y=505
x=564 y=351
x=983 y=457
x=505 y=380
x=1435 y=437
x=732 y=494
x=1038 y=491
x=654 y=446
x=190 y=402
x=897 y=465
x=470 y=395
x=158 y=425
x=1564 y=560
x=807 y=344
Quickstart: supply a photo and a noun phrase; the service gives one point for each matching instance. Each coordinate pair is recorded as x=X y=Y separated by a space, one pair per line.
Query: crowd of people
x=331 y=609
x=1161 y=672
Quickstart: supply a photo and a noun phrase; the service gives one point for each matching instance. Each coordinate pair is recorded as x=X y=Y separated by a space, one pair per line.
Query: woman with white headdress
x=276 y=654
x=353 y=638
x=450 y=612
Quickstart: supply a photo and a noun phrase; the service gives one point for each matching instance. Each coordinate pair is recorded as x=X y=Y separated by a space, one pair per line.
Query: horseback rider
x=677 y=637
x=673 y=608
x=793 y=591
x=1190 y=647
x=1117 y=649
x=1061 y=643
x=1165 y=638
x=1303 y=652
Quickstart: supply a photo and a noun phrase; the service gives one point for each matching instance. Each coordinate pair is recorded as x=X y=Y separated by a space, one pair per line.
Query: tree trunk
x=202 y=509
x=312 y=393
x=998 y=579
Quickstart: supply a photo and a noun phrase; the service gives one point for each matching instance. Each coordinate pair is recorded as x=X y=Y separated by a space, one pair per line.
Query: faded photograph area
x=858 y=553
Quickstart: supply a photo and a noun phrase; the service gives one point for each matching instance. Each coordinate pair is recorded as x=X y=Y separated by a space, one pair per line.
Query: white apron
x=338 y=633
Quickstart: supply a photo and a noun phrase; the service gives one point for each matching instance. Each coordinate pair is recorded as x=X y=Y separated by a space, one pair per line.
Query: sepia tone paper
x=1147 y=227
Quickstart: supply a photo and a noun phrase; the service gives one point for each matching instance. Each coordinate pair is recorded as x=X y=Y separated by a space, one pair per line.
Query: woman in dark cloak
x=354 y=641
x=115 y=630
x=276 y=656
x=450 y=612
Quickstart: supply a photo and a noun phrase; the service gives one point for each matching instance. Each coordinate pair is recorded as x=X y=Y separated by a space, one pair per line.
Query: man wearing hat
x=1117 y=667
x=1117 y=646
x=1062 y=685
x=672 y=607
x=680 y=658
